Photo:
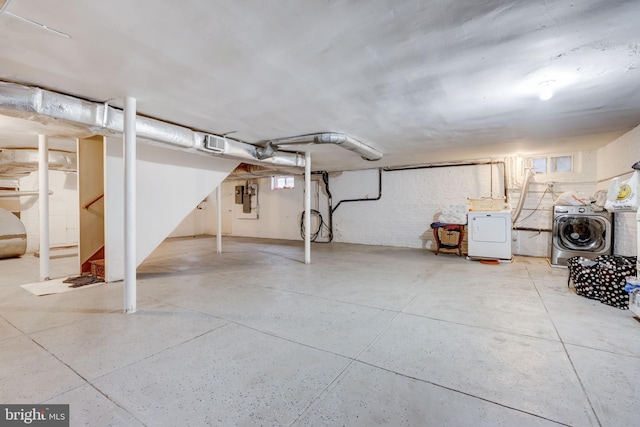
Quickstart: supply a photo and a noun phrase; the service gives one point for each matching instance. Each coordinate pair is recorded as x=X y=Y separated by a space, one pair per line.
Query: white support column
x=129 y=158
x=307 y=207
x=219 y=226
x=43 y=204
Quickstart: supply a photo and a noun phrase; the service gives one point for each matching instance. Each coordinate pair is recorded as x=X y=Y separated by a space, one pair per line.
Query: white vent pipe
x=34 y=103
x=340 y=139
x=523 y=194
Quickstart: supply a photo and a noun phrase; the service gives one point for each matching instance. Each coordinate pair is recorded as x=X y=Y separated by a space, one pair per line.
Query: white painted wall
x=616 y=159
x=278 y=211
x=194 y=224
x=170 y=184
x=63 y=210
x=411 y=200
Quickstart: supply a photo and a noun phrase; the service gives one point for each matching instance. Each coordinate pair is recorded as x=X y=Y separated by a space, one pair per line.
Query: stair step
x=97 y=268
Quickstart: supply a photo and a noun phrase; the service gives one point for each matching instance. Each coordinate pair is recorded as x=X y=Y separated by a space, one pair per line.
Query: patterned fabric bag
x=585 y=275
x=614 y=271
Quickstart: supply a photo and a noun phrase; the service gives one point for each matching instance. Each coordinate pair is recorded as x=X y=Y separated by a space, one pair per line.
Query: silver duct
x=19 y=162
x=340 y=139
x=33 y=103
x=13 y=235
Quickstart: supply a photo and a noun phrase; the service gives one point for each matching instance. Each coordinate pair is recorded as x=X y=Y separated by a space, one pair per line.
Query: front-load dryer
x=580 y=231
x=489 y=235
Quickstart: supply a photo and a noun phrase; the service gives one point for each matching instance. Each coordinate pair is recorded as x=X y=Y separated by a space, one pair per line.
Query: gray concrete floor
x=365 y=335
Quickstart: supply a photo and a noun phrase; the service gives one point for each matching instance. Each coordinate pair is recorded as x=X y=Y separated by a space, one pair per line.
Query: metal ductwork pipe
x=340 y=139
x=18 y=162
x=32 y=103
x=349 y=143
x=13 y=235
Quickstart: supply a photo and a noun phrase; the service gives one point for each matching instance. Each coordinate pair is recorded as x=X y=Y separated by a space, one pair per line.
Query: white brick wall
x=411 y=200
x=626 y=232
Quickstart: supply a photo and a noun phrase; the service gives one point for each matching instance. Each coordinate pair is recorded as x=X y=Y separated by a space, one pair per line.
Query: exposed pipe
x=442 y=165
x=340 y=139
x=456 y=164
x=19 y=162
x=21 y=193
x=523 y=194
x=43 y=205
x=539 y=230
x=366 y=199
x=325 y=177
x=13 y=235
x=129 y=158
x=46 y=106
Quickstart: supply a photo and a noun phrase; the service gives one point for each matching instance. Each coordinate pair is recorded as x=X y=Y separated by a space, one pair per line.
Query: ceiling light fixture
x=546 y=90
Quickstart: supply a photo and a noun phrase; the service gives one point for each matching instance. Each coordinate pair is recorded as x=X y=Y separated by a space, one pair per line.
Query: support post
x=43 y=204
x=307 y=207
x=219 y=225
x=129 y=159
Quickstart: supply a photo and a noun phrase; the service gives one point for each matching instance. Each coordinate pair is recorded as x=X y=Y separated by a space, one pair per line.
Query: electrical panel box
x=246 y=206
x=239 y=194
x=250 y=194
x=246 y=203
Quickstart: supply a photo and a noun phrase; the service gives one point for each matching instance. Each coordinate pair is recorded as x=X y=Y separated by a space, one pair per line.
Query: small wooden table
x=448 y=228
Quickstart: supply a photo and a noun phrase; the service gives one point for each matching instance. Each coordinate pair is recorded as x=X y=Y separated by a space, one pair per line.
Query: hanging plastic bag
x=623 y=195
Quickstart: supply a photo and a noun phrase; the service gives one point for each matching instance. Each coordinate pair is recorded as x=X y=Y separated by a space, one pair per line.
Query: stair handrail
x=86 y=205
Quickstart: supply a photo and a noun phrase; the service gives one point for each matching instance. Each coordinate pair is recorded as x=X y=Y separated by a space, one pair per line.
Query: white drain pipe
x=129 y=159
x=523 y=195
x=43 y=204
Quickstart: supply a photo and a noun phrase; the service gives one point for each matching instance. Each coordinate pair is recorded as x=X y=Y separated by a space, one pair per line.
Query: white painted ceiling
x=418 y=80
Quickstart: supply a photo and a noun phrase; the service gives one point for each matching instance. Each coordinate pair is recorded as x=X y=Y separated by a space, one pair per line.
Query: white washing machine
x=490 y=235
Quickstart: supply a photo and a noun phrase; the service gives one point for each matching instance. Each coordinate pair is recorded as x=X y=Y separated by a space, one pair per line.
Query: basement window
x=540 y=165
x=282 y=182
x=550 y=164
x=562 y=164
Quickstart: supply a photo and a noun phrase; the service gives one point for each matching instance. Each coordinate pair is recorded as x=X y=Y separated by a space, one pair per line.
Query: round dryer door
x=582 y=233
